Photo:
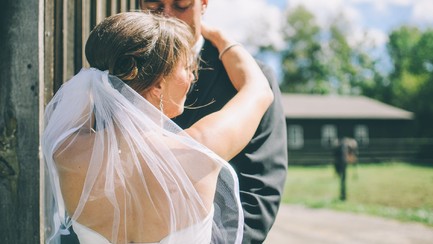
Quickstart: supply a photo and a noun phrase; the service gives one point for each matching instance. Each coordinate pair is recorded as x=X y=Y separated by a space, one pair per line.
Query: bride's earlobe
x=154 y=94
x=157 y=89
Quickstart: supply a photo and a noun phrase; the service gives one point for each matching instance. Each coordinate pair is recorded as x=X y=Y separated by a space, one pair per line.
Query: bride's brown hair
x=140 y=48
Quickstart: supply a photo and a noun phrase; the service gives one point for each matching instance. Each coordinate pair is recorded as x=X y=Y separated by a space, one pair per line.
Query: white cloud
x=377 y=36
x=257 y=22
x=380 y=4
x=251 y=22
x=321 y=9
x=422 y=12
x=326 y=12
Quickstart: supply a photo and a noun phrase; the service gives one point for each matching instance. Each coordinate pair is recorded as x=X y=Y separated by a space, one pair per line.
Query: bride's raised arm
x=228 y=131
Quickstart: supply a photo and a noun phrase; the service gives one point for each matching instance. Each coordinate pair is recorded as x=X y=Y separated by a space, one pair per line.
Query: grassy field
x=393 y=190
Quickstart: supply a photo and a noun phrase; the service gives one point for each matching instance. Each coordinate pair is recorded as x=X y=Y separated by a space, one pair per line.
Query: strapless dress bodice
x=188 y=235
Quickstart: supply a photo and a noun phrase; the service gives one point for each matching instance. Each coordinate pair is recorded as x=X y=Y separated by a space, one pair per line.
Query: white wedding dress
x=125 y=162
x=89 y=236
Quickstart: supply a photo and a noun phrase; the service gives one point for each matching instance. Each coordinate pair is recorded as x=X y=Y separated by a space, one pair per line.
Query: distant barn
x=315 y=122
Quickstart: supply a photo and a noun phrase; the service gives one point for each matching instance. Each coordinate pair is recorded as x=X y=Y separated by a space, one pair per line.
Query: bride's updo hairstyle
x=139 y=48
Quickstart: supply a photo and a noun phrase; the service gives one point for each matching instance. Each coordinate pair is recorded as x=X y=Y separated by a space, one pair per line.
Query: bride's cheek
x=186 y=88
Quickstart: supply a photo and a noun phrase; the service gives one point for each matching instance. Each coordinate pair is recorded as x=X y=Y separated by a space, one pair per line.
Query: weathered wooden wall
x=41 y=46
x=19 y=121
x=72 y=22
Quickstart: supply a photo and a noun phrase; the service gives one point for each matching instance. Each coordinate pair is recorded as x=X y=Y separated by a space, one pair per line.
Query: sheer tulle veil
x=135 y=169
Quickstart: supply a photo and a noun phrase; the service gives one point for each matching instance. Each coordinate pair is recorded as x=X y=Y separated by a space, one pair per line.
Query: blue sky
x=394 y=17
x=383 y=15
x=376 y=17
x=257 y=22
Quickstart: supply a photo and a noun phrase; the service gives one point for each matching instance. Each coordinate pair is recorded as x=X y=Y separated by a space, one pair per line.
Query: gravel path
x=300 y=225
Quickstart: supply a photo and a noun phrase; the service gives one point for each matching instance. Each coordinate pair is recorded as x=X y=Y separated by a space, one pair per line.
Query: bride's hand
x=219 y=39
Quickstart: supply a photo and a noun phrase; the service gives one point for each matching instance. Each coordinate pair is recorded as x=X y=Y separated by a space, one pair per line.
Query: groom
x=262 y=165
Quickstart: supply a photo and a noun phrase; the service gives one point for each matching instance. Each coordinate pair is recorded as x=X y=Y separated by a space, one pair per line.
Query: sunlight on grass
x=395 y=190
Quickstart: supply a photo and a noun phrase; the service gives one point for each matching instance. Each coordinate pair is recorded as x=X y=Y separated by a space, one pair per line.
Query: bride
x=120 y=171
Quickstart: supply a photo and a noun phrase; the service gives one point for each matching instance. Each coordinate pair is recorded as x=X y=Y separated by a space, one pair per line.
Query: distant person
x=345 y=152
x=262 y=165
x=120 y=170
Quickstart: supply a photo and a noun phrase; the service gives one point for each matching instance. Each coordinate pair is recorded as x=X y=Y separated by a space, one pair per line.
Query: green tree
x=411 y=80
x=303 y=69
x=321 y=60
x=421 y=56
x=350 y=69
x=404 y=84
x=421 y=66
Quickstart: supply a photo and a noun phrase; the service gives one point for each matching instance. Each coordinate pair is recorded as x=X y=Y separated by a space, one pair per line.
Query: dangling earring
x=161 y=105
x=161 y=108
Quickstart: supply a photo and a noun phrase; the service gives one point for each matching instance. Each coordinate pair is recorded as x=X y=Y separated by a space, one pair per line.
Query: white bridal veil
x=117 y=167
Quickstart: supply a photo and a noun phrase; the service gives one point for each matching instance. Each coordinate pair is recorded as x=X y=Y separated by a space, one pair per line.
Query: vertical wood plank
x=49 y=50
x=78 y=36
x=85 y=29
x=19 y=121
x=46 y=26
x=48 y=89
x=68 y=39
x=123 y=6
x=101 y=10
x=132 y=5
x=114 y=6
x=58 y=44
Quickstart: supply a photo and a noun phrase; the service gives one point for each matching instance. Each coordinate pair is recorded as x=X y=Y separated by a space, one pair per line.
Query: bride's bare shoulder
x=76 y=150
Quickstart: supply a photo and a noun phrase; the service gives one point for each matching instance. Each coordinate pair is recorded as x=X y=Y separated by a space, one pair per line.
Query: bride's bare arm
x=228 y=131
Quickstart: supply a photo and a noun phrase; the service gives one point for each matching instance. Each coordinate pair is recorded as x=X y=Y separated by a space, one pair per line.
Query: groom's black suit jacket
x=262 y=165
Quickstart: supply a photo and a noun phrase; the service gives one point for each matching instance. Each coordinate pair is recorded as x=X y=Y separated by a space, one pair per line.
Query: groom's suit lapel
x=213 y=79
x=209 y=71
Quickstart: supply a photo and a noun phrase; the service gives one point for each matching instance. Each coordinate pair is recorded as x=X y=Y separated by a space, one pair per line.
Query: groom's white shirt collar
x=198 y=45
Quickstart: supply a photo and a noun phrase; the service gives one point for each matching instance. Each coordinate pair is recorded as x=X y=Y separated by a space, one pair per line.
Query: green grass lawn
x=393 y=190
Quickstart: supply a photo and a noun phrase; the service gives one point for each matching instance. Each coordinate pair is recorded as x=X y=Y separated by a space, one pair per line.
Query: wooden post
x=133 y=5
x=69 y=41
x=41 y=46
x=85 y=27
x=113 y=7
x=21 y=35
x=123 y=6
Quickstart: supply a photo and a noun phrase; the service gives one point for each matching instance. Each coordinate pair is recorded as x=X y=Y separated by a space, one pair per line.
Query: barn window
x=361 y=135
x=295 y=136
x=329 y=135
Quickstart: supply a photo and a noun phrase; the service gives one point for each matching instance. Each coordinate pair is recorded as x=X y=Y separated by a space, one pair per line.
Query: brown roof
x=339 y=107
